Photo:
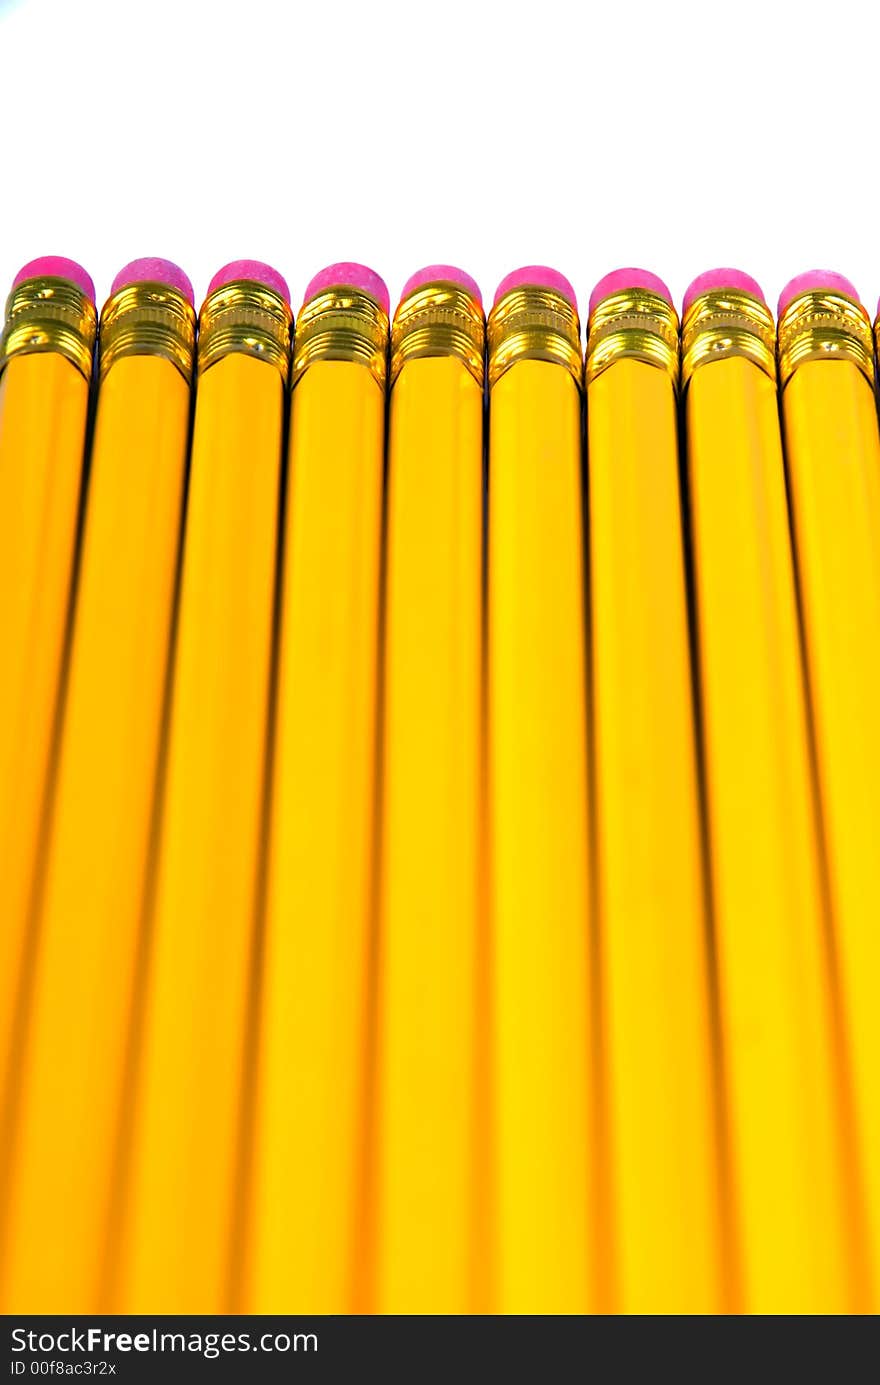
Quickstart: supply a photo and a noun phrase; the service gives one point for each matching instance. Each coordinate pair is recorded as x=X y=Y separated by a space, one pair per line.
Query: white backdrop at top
x=676 y=136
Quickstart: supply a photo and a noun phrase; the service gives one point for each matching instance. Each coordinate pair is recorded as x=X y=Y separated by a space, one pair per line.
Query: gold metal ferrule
x=536 y=324
x=49 y=314
x=727 y=322
x=248 y=318
x=637 y=324
x=439 y=319
x=825 y=326
x=148 y=319
x=342 y=324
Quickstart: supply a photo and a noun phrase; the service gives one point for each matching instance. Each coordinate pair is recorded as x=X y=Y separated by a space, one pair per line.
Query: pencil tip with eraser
x=440 y=274
x=56 y=267
x=152 y=269
x=717 y=280
x=627 y=280
x=537 y=276
x=256 y=271
x=816 y=281
x=348 y=274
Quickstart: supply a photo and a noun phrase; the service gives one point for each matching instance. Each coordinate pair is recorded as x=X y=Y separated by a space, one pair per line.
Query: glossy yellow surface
x=431 y=1122
x=833 y=455
x=89 y=928
x=43 y=407
x=369 y=989
x=657 y=1042
x=310 y=1155
x=543 y=1156
x=193 y=1076
x=787 y=1173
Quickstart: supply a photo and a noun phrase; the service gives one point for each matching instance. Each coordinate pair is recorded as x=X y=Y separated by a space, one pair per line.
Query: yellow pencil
x=45 y=367
x=544 y=1155
x=786 y=1156
x=833 y=455
x=181 y=1247
x=657 y=1040
x=86 y=970
x=431 y=1012
x=311 y=1132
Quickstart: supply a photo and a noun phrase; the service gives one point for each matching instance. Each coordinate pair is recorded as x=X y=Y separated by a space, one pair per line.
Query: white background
x=676 y=135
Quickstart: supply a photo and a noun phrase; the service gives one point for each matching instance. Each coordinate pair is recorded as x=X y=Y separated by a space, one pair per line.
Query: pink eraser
x=715 y=279
x=255 y=270
x=152 y=270
x=439 y=273
x=815 y=281
x=622 y=280
x=539 y=276
x=56 y=267
x=349 y=275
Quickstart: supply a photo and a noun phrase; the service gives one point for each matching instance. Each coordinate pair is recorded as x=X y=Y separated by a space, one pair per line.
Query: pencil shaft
x=783 y=1098
x=544 y=1156
x=310 y=1157
x=833 y=455
x=430 y=924
x=182 y=1196
x=657 y=1045
x=43 y=406
x=89 y=923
